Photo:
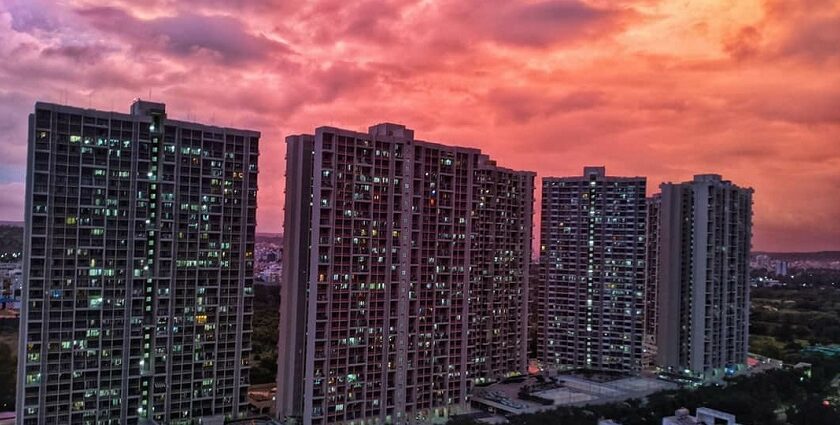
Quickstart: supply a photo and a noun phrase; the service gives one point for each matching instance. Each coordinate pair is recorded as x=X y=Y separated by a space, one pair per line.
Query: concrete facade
x=705 y=231
x=406 y=272
x=593 y=251
x=654 y=204
x=139 y=240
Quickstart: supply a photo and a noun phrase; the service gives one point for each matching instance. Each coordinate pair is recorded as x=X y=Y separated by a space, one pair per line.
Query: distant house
x=703 y=415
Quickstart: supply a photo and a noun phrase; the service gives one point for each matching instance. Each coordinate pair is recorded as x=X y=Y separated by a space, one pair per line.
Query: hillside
x=275 y=238
x=802 y=256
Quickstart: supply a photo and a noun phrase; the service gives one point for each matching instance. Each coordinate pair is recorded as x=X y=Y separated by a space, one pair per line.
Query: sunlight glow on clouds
x=662 y=88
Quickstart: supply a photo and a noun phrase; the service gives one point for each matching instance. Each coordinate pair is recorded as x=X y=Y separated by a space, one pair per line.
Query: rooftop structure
x=533 y=394
x=703 y=416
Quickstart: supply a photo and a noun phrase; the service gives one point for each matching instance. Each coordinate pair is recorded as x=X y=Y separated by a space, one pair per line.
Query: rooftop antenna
x=150 y=93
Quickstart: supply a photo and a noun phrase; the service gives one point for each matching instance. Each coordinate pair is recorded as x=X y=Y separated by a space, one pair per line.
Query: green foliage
x=264 y=335
x=767 y=346
x=11 y=241
x=783 y=320
x=813 y=412
x=462 y=420
x=8 y=372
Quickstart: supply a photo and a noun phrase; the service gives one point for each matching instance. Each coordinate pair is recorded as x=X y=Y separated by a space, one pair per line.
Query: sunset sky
x=664 y=89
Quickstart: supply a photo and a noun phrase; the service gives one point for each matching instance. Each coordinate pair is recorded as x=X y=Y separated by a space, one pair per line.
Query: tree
x=7 y=377
x=814 y=411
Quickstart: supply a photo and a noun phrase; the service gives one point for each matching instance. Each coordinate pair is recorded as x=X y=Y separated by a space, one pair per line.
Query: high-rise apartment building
x=406 y=271
x=654 y=203
x=537 y=310
x=705 y=230
x=139 y=243
x=593 y=250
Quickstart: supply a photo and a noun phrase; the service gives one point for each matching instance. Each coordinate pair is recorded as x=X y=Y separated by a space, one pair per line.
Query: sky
x=660 y=88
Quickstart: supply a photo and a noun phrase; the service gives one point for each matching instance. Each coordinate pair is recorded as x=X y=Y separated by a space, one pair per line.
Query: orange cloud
x=662 y=88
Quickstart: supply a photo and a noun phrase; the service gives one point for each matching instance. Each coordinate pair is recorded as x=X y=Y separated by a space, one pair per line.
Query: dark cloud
x=816 y=40
x=261 y=6
x=373 y=19
x=188 y=34
x=341 y=77
x=808 y=30
x=536 y=24
x=333 y=21
x=80 y=53
x=32 y=15
x=450 y=25
x=14 y=113
x=744 y=44
x=522 y=105
x=800 y=106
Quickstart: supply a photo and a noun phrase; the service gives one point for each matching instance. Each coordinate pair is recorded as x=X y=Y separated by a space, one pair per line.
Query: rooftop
x=703 y=415
x=564 y=390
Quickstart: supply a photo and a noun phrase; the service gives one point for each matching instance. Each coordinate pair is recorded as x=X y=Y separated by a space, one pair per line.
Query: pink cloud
x=659 y=88
x=12 y=201
x=222 y=37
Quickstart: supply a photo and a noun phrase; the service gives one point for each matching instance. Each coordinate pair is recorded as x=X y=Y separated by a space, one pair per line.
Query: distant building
x=831 y=350
x=11 y=283
x=271 y=275
x=761 y=261
x=262 y=400
x=705 y=229
x=593 y=250
x=781 y=267
x=405 y=276
x=703 y=416
x=139 y=244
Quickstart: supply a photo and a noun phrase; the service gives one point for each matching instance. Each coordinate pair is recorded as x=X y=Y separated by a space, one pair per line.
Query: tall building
x=139 y=268
x=705 y=231
x=406 y=266
x=654 y=203
x=537 y=310
x=593 y=250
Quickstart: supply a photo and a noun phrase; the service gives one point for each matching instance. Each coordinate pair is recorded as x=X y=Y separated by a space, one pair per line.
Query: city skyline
x=658 y=89
x=419 y=212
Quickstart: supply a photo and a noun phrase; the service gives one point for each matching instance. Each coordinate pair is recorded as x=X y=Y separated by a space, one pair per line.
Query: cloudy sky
x=662 y=88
